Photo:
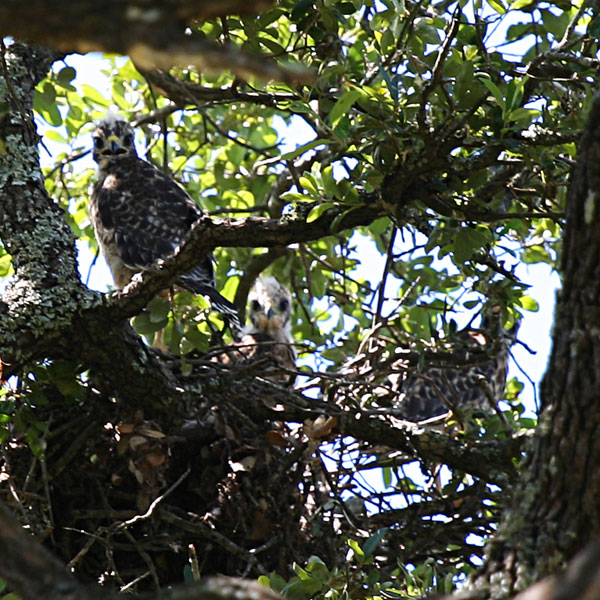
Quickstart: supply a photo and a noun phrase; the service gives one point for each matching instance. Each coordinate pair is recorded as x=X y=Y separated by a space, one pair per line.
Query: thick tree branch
x=185 y=93
x=31 y=571
x=255 y=232
x=151 y=33
x=491 y=461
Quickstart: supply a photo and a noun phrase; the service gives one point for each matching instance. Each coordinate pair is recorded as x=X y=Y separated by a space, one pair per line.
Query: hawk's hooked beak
x=113 y=146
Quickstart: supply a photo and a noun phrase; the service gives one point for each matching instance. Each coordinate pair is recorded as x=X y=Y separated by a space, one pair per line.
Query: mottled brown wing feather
x=142 y=216
x=436 y=390
x=149 y=213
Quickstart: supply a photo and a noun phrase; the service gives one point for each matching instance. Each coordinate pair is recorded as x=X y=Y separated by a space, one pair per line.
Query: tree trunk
x=556 y=510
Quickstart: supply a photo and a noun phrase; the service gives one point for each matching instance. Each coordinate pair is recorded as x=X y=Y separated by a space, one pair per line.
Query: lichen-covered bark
x=44 y=305
x=556 y=511
x=45 y=290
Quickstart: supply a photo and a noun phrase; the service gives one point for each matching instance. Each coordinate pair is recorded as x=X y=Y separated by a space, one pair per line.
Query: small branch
x=386 y=271
x=436 y=72
x=236 y=140
x=209 y=533
x=566 y=38
x=154 y=504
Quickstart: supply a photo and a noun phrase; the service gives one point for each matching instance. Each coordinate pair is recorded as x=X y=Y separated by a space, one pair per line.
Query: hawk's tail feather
x=226 y=308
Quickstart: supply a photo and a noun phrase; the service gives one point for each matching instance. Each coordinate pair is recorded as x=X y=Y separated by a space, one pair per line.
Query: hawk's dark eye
x=284 y=305
x=98 y=143
x=128 y=139
x=255 y=304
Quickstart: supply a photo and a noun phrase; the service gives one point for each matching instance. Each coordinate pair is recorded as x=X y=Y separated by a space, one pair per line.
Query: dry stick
x=134 y=582
x=211 y=534
x=98 y=536
x=193 y=560
x=154 y=504
x=386 y=271
x=146 y=558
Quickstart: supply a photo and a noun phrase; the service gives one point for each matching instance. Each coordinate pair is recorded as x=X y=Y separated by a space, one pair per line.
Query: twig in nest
x=154 y=504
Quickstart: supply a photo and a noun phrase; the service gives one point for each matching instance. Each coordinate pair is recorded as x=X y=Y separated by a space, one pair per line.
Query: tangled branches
x=245 y=477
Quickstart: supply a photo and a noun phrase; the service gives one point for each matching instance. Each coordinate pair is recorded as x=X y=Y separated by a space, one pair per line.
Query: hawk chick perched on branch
x=140 y=215
x=269 y=333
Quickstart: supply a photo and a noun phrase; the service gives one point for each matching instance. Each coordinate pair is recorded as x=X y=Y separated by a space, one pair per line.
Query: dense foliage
x=455 y=126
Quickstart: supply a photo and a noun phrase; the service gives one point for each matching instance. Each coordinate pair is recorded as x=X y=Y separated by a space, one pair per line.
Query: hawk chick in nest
x=269 y=334
x=141 y=215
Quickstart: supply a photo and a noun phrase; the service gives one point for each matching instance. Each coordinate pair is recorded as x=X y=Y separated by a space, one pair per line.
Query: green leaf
x=342 y=106
x=188 y=575
x=535 y=254
x=36 y=444
x=305 y=148
x=470 y=304
x=494 y=89
x=386 y=474
x=528 y=303
x=371 y=544
x=52 y=115
x=318 y=210
x=342 y=129
x=523 y=113
x=309 y=184
x=199 y=339
x=273 y=46
x=158 y=309
x=498 y=6
x=426 y=31
x=329 y=183
x=53 y=135
x=296 y=197
x=91 y=95
x=467 y=241
x=65 y=76
x=520 y=4
x=358 y=552
x=145 y=326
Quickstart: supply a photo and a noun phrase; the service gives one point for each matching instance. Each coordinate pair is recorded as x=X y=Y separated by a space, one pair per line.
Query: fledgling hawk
x=466 y=390
x=467 y=379
x=141 y=215
x=269 y=333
